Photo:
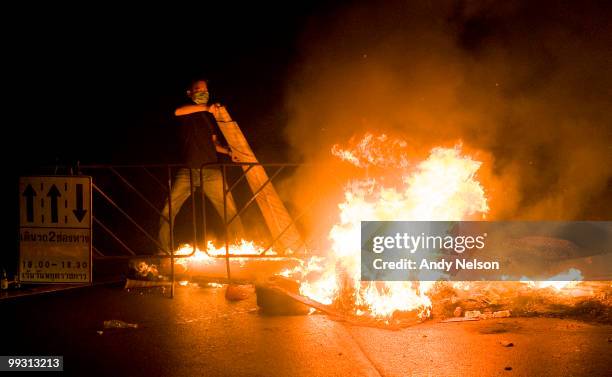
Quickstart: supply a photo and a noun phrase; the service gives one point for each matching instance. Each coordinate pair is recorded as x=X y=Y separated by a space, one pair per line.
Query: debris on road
x=273 y=297
x=501 y=314
x=235 y=292
x=132 y=283
x=117 y=324
x=506 y=343
x=476 y=315
x=460 y=319
x=486 y=315
x=508 y=368
x=473 y=314
x=458 y=311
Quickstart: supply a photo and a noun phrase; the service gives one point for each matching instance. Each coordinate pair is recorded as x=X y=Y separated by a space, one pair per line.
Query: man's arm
x=220 y=148
x=190 y=109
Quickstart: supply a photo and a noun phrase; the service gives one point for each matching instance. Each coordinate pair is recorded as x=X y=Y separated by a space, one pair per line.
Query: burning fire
x=569 y=279
x=442 y=187
x=212 y=252
x=375 y=151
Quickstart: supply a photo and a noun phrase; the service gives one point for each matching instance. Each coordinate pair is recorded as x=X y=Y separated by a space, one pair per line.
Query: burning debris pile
x=444 y=187
x=564 y=299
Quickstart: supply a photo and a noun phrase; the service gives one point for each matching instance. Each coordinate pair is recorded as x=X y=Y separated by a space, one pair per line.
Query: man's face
x=199 y=92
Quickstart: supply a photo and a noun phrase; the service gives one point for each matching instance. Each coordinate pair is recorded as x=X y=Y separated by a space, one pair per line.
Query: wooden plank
x=336 y=315
x=274 y=212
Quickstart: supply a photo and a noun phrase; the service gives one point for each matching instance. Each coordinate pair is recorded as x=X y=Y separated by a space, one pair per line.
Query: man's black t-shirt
x=195 y=133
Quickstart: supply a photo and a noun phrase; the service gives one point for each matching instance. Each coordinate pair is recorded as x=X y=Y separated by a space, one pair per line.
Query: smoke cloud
x=526 y=86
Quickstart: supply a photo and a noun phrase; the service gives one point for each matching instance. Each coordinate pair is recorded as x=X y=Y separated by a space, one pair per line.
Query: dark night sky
x=101 y=85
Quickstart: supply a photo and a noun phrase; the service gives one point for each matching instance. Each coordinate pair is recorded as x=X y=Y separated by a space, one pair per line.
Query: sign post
x=55 y=229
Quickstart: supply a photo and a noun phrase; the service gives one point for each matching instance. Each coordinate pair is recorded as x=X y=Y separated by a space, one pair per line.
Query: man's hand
x=221 y=149
x=231 y=154
x=214 y=109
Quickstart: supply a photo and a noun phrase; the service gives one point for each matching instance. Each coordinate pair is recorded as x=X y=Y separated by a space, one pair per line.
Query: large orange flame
x=442 y=187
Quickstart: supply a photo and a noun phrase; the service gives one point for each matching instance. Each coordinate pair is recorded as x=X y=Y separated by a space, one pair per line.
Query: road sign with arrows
x=56 y=202
x=55 y=229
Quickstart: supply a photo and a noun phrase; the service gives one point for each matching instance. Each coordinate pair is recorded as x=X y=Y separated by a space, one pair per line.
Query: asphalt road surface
x=199 y=333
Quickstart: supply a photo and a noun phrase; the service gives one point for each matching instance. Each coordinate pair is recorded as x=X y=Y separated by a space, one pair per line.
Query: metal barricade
x=166 y=189
x=227 y=190
x=167 y=186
